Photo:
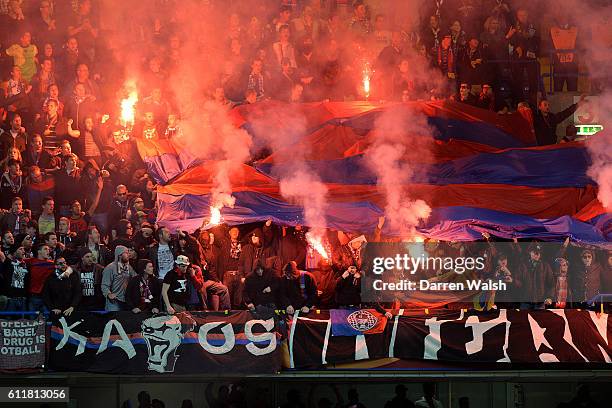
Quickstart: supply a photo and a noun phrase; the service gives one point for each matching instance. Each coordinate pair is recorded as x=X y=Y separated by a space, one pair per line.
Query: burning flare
x=366 y=75
x=127 y=109
x=316 y=242
x=215 y=216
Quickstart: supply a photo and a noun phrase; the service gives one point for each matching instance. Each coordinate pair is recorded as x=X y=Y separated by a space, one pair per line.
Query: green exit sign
x=588 y=130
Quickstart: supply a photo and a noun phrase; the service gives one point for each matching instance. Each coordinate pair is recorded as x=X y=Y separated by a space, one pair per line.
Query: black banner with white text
x=185 y=343
x=500 y=336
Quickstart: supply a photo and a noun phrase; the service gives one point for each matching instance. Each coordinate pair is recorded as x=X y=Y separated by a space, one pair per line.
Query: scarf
x=145 y=292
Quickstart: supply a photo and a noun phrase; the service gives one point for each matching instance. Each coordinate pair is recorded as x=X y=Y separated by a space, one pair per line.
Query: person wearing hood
x=534 y=280
x=261 y=290
x=253 y=251
x=143 y=290
x=349 y=254
x=62 y=290
x=256 y=250
x=115 y=278
x=585 y=278
x=90 y=275
x=298 y=289
x=288 y=242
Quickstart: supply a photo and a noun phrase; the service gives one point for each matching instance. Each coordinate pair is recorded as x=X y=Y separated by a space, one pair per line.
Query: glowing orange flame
x=366 y=75
x=127 y=109
x=366 y=85
x=317 y=244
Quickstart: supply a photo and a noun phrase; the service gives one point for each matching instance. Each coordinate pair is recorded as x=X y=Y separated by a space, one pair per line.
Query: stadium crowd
x=79 y=210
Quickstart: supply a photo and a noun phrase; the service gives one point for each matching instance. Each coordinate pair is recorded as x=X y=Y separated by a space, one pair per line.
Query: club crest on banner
x=163 y=335
x=362 y=320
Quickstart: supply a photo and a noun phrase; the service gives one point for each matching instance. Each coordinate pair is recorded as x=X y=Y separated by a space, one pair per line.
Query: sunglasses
x=60 y=263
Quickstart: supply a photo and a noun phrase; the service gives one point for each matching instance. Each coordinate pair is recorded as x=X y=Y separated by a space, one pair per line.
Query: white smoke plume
x=402 y=136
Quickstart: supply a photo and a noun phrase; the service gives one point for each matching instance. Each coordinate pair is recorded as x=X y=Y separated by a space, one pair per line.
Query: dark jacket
x=10 y=189
x=10 y=220
x=252 y=254
x=254 y=286
x=585 y=282
x=134 y=298
x=534 y=281
x=299 y=291
x=348 y=291
x=69 y=185
x=224 y=260
x=545 y=126
x=62 y=293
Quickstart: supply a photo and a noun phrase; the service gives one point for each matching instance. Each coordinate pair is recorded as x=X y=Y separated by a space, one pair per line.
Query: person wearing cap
x=534 y=282
x=62 y=290
x=90 y=275
x=585 y=278
x=13 y=278
x=175 y=288
x=400 y=400
x=115 y=278
x=143 y=290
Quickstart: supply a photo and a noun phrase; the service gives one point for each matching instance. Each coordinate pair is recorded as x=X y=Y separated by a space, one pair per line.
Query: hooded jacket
x=113 y=280
x=255 y=284
x=252 y=253
x=300 y=290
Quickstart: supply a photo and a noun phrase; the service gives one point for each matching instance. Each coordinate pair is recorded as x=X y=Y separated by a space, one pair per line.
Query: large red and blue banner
x=482 y=173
